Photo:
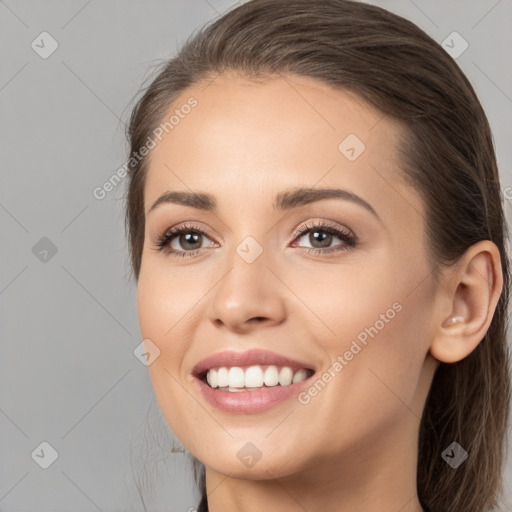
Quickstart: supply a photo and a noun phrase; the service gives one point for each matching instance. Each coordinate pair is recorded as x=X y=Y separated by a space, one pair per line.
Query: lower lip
x=250 y=401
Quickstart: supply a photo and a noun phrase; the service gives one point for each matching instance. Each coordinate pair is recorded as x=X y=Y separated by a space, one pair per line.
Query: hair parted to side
x=447 y=154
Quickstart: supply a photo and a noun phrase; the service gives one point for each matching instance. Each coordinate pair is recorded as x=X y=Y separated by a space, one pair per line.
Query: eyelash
x=163 y=241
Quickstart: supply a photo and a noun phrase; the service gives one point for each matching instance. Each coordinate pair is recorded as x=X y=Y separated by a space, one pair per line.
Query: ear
x=471 y=294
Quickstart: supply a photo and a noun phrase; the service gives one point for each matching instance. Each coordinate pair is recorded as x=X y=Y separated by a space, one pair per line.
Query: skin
x=353 y=446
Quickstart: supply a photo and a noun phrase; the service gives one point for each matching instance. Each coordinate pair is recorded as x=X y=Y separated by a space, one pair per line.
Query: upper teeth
x=254 y=376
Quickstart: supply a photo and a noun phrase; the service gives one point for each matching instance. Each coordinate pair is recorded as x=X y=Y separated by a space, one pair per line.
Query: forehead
x=246 y=140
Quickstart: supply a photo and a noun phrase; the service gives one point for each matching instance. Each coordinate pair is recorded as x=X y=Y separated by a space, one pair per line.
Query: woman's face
x=340 y=284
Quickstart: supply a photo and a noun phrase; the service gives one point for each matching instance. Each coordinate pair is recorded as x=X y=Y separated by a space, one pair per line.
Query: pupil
x=326 y=237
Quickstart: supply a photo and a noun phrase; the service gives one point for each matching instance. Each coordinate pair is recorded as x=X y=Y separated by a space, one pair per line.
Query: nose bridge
x=243 y=293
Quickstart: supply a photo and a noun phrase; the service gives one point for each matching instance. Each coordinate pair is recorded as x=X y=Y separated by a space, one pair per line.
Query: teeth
x=299 y=376
x=253 y=377
x=285 y=376
x=222 y=377
x=211 y=377
x=271 y=377
x=236 y=379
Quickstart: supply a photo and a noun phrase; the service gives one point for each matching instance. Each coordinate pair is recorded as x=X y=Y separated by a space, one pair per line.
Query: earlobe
x=474 y=289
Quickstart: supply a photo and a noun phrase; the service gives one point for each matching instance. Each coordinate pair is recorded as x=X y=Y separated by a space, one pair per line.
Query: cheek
x=351 y=301
x=170 y=304
x=378 y=333
x=162 y=312
x=166 y=296
x=164 y=307
x=384 y=376
x=374 y=388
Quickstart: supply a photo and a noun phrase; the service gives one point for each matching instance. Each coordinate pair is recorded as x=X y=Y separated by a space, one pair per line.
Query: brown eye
x=188 y=240
x=182 y=241
x=321 y=236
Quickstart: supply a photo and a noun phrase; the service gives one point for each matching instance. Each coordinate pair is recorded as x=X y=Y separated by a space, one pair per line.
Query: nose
x=246 y=297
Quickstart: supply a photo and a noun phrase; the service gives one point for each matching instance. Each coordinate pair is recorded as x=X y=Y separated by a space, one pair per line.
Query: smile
x=238 y=378
x=251 y=381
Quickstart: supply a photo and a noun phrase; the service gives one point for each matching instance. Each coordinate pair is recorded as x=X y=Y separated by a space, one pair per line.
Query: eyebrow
x=285 y=200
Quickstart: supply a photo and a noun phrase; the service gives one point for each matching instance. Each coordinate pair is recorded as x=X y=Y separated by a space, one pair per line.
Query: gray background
x=68 y=375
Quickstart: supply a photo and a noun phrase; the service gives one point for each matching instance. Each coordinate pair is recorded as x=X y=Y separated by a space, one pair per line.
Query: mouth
x=252 y=381
x=236 y=379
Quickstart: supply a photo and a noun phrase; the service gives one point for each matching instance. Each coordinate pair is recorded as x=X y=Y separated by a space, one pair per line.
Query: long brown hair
x=447 y=154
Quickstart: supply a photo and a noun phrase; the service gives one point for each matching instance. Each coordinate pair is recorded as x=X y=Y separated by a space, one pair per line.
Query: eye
x=187 y=237
x=187 y=240
x=322 y=234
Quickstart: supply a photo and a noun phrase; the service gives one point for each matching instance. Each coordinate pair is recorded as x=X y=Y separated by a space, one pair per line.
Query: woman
x=317 y=234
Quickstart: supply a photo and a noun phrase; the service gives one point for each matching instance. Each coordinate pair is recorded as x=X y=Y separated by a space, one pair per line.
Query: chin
x=245 y=464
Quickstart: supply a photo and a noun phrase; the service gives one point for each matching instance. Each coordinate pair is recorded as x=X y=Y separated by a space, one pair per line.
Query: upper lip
x=248 y=358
